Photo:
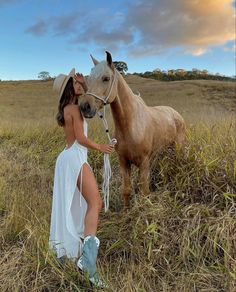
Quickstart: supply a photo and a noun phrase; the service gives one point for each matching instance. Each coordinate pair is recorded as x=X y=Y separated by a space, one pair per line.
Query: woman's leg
x=91 y=194
x=88 y=258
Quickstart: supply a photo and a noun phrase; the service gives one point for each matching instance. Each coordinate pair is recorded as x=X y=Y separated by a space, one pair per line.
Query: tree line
x=120 y=66
x=181 y=74
x=158 y=74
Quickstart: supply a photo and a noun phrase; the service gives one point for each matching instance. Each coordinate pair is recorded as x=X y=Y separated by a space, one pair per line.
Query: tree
x=44 y=75
x=205 y=72
x=157 y=70
x=121 y=66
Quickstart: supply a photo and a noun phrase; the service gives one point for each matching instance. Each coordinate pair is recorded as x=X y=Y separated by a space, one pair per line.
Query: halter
x=105 y=99
x=107 y=166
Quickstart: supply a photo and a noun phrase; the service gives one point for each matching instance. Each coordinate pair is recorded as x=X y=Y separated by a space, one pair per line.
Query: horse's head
x=102 y=87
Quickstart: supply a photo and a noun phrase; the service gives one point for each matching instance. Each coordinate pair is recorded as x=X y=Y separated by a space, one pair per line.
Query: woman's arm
x=81 y=138
x=79 y=131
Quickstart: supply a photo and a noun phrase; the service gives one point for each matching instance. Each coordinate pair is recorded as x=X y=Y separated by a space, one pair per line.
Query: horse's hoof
x=146 y=194
x=126 y=201
x=126 y=207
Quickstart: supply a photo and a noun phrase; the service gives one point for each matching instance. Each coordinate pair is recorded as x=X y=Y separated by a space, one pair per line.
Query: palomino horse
x=139 y=129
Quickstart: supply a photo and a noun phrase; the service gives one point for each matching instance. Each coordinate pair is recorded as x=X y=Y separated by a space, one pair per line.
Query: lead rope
x=106 y=160
x=106 y=163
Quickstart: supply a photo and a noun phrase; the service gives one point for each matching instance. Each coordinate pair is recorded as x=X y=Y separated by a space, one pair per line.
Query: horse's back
x=167 y=111
x=170 y=120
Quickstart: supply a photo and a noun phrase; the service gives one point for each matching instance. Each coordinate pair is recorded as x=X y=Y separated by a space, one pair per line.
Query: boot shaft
x=88 y=259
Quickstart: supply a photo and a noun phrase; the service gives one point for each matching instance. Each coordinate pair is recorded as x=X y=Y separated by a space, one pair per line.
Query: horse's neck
x=122 y=107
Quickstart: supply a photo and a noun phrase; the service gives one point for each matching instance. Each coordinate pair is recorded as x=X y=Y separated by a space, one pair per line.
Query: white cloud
x=196 y=51
x=183 y=23
x=149 y=27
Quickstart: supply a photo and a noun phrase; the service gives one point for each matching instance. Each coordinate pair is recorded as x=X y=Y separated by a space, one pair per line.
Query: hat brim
x=71 y=74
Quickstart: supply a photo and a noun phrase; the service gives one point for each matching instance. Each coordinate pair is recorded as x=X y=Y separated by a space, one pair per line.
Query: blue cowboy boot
x=87 y=261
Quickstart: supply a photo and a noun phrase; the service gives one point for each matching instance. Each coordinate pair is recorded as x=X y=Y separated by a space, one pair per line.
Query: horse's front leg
x=144 y=176
x=125 y=167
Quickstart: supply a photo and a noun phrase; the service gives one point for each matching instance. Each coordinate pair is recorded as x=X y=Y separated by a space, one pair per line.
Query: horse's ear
x=109 y=60
x=95 y=62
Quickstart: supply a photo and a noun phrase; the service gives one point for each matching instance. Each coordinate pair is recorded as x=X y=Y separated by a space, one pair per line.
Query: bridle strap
x=104 y=99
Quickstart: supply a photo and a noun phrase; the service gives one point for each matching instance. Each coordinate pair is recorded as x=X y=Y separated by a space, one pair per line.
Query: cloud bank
x=148 y=27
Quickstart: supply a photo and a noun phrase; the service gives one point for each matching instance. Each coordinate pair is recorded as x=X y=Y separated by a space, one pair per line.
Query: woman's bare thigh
x=89 y=185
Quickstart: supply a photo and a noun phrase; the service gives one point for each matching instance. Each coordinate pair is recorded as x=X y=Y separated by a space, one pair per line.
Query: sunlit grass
x=184 y=230
x=180 y=237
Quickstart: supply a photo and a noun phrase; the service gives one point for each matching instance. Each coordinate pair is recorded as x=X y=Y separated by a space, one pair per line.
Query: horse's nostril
x=87 y=107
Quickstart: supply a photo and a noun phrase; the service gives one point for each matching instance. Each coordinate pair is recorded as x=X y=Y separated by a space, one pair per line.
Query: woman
x=76 y=200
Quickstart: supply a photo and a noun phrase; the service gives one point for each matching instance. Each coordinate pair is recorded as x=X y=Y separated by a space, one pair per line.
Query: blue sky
x=56 y=35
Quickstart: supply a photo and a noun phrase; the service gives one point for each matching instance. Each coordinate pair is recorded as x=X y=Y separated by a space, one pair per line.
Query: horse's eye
x=106 y=78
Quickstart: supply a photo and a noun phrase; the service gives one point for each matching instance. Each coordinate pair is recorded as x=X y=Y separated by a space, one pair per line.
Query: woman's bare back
x=69 y=127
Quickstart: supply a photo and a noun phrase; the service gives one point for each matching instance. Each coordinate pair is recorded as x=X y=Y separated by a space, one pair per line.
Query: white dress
x=68 y=204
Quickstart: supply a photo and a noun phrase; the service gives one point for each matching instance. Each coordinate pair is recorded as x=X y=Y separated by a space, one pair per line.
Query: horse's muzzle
x=87 y=110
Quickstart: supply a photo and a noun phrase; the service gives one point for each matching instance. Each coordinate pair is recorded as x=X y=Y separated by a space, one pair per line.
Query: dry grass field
x=180 y=238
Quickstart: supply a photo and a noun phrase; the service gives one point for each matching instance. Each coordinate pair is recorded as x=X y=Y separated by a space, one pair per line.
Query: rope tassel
x=106 y=177
x=106 y=165
x=106 y=180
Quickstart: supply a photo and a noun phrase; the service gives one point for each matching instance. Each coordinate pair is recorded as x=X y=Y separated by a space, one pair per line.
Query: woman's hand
x=106 y=148
x=79 y=77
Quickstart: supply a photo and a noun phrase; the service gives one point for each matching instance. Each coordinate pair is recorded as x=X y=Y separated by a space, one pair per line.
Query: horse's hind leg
x=144 y=176
x=125 y=168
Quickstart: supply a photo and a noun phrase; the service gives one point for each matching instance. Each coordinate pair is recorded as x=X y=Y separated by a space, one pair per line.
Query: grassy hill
x=181 y=237
x=200 y=100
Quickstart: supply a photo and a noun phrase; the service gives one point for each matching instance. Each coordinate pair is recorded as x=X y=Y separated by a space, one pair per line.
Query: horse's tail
x=180 y=130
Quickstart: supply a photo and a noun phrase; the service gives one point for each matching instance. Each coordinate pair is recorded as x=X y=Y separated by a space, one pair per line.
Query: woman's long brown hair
x=67 y=96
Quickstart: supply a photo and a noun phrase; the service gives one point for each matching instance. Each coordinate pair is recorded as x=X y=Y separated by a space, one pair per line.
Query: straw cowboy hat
x=60 y=82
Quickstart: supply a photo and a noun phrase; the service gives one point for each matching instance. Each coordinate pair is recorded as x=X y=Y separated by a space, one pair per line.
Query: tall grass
x=180 y=237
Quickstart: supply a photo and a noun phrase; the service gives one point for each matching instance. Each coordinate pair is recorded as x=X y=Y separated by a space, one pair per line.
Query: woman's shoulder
x=71 y=108
x=68 y=112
